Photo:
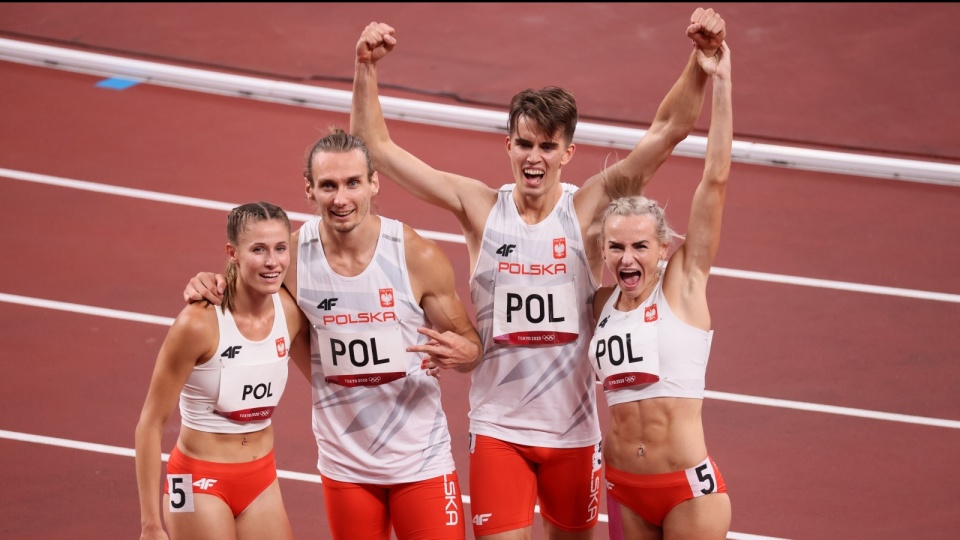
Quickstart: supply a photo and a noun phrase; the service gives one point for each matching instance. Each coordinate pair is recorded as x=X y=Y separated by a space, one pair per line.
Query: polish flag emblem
x=386 y=297
x=281 y=347
x=650 y=313
x=559 y=248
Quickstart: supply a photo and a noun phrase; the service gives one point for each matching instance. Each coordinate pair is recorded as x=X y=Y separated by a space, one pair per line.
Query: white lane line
x=724 y=396
x=290 y=475
x=831 y=409
x=457 y=238
x=172 y=199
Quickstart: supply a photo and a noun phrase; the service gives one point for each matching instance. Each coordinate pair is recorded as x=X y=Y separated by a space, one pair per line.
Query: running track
x=833 y=404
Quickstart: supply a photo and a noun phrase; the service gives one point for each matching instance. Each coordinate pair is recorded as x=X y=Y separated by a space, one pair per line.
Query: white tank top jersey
x=532 y=289
x=237 y=390
x=376 y=414
x=651 y=333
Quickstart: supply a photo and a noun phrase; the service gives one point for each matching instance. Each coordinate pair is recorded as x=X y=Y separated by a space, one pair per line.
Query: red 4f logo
x=281 y=347
x=650 y=313
x=386 y=297
x=559 y=248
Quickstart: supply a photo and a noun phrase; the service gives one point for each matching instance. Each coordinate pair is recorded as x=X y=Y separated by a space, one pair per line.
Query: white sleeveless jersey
x=532 y=289
x=237 y=390
x=376 y=414
x=626 y=342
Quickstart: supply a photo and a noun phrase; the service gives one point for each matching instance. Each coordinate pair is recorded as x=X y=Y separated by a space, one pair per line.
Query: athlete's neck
x=349 y=252
x=535 y=207
x=250 y=302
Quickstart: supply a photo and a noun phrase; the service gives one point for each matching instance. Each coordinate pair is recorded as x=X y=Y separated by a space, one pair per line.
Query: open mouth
x=533 y=175
x=630 y=278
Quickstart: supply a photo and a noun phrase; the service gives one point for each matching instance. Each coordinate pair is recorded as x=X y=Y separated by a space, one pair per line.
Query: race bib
x=524 y=315
x=250 y=392
x=180 y=488
x=702 y=478
x=363 y=358
x=626 y=356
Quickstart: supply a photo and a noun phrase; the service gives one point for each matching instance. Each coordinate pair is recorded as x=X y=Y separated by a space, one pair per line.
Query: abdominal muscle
x=654 y=436
x=225 y=447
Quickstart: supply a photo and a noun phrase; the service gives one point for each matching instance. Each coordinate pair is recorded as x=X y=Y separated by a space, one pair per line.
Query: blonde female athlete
x=651 y=346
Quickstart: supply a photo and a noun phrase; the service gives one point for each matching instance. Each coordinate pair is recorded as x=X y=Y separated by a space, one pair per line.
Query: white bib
x=529 y=315
x=626 y=356
x=251 y=392
x=363 y=358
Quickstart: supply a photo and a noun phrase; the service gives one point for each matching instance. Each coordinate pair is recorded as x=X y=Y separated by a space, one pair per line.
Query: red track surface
x=881 y=78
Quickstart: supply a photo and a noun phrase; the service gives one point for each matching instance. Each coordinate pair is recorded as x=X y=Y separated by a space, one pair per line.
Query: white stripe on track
x=290 y=475
x=724 y=396
x=457 y=238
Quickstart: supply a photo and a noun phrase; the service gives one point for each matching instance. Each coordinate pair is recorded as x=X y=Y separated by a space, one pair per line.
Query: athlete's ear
x=231 y=252
x=568 y=154
x=308 y=188
x=375 y=182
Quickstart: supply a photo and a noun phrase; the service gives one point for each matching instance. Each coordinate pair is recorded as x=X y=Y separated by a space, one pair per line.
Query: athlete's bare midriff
x=654 y=436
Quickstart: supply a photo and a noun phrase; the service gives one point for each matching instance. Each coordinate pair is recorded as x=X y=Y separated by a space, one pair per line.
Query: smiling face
x=536 y=159
x=262 y=255
x=341 y=188
x=631 y=251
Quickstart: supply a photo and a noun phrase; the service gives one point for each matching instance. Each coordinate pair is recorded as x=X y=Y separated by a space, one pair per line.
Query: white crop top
x=648 y=352
x=237 y=389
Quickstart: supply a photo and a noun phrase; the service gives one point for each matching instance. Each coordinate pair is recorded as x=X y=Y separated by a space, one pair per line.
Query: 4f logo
x=480 y=519
x=205 y=483
x=327 y=304
x=559 y=248
x=504 y=250
x=386 y=297
x=604 y=321
x=231 y=352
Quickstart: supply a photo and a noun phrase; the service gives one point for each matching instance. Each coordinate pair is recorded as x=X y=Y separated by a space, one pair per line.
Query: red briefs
x=428 y=509
x=506 y=480
x=238 y=484
x=652 y=496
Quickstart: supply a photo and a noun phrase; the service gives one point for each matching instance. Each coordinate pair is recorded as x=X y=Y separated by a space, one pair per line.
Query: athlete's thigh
x=207 y=513
x=265 y=517
x=431 y=509
x=503 y=487
x=356 y=510
x=707 y=517
x=635 y=527
x=569 y=487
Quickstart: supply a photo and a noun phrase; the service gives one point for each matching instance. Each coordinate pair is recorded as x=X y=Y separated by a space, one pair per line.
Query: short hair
x=552 y=109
